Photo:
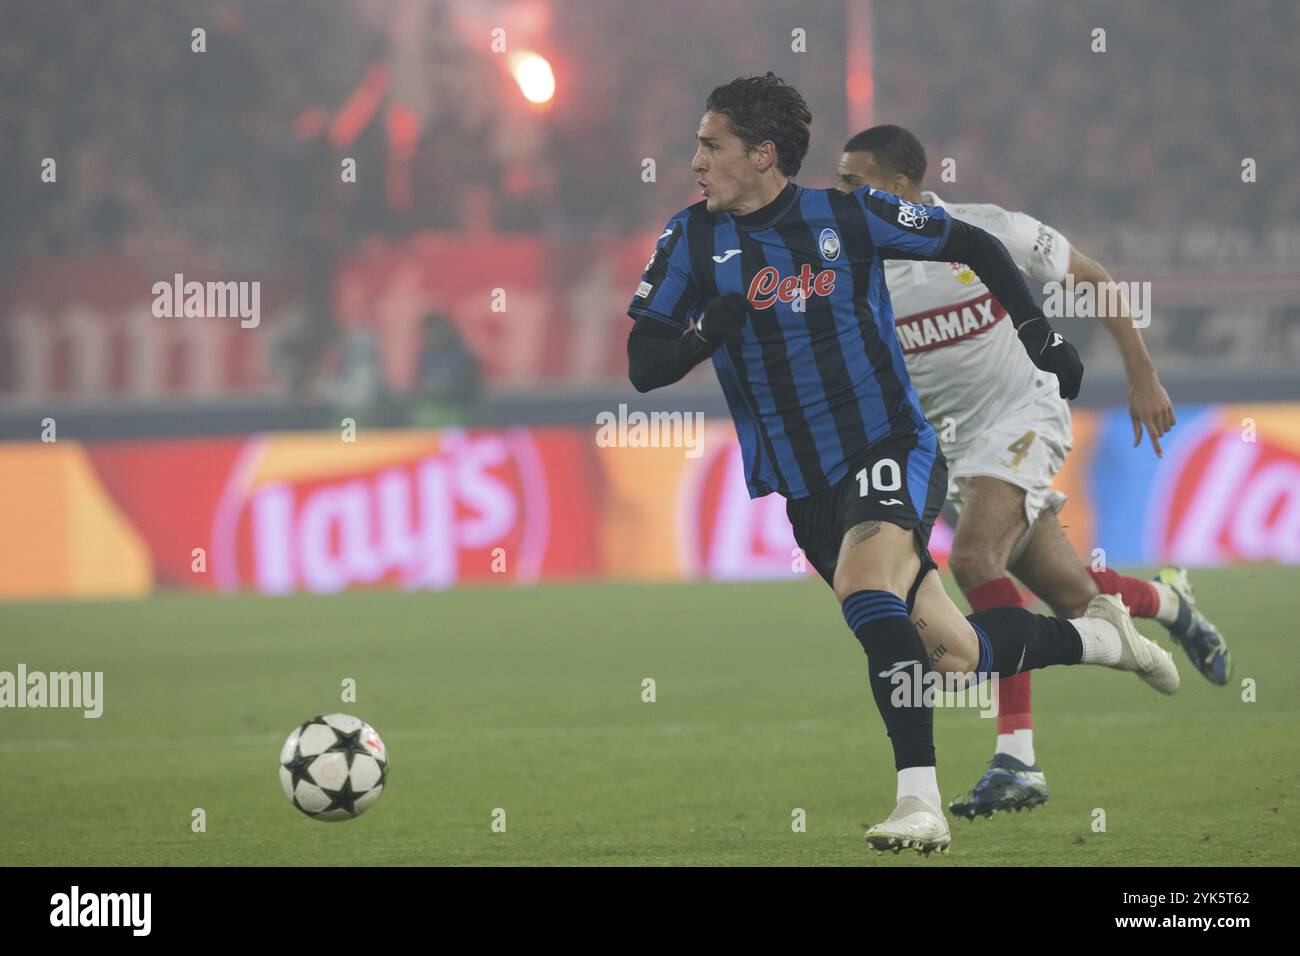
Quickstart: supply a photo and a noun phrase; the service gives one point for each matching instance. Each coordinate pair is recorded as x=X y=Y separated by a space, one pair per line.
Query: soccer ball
x=333 y=767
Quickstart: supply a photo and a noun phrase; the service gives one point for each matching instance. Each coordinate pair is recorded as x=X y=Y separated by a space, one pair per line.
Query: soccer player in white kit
x=1005 y=432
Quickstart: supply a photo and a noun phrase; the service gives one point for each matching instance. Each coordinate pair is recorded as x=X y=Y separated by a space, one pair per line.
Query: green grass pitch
x=530 y=700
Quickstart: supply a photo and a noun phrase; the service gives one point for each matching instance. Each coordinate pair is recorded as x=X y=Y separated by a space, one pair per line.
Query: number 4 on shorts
x=1019 y=449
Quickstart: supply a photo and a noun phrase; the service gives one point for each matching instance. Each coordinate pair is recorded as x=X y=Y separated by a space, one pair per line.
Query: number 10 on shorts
x=885 y=476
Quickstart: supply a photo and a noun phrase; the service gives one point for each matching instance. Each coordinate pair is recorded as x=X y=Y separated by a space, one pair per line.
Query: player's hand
x=1149 y=406
x=723 y=319
x=1049 y=350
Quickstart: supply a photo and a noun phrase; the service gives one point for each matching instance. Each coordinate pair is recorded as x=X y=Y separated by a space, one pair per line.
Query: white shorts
x=1025 y=448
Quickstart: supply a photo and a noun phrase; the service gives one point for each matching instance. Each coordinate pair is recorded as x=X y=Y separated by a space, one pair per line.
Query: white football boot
x=913 y=824
x=1139 y=654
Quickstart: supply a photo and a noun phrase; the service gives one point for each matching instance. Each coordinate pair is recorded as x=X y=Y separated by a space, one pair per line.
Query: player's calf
x=875 y=568
x=973 y=566
x=880 y=622
x=1012 y=640
x=1015 y=739
x=1140 y=597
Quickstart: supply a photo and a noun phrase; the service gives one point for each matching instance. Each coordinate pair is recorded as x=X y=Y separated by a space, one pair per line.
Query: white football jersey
x=962 y=353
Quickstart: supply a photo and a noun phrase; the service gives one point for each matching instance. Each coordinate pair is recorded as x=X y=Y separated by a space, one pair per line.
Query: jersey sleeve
x=1037 y=249
x=900 y=229
x=668 y=290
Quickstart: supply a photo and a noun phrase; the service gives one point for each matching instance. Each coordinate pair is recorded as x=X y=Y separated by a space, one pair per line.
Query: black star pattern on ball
x=344 y=799
x=349 y=744
x=297 y=768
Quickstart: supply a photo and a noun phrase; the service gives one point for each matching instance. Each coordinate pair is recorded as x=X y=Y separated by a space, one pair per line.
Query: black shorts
x=902 y=479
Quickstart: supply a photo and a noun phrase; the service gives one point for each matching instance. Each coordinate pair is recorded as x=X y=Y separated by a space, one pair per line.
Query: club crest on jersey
x=767 y=286
x=911 y=215
x=830 y=244
x=962 y=272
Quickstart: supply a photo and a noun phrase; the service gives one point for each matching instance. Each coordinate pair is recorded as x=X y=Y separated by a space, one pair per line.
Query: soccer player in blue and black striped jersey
x=783 y=288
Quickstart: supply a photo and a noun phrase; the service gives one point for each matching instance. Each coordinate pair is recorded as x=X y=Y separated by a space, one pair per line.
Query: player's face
x=861 y=169
x=724 y=167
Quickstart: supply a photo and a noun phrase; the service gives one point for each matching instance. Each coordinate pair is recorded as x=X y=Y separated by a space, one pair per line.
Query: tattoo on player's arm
x=937 y=653
x=920 y=624
x=860 y=532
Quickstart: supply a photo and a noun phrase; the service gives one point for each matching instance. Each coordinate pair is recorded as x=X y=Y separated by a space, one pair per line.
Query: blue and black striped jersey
x=818 y=375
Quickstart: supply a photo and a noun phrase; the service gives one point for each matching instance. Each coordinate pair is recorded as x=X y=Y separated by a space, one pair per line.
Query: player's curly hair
x=762 y=108
x=895 y=150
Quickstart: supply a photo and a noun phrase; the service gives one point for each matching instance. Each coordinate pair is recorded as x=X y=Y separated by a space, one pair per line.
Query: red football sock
x=1013 y=692
x=1139 y=596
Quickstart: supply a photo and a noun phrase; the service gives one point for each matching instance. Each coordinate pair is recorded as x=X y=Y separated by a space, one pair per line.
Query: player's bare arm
x=1148 y=402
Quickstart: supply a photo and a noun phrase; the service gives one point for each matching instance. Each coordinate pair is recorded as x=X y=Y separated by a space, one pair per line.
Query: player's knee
x=847 y=584
x=1069 y=611
x=1070 y=599
x=974 y=564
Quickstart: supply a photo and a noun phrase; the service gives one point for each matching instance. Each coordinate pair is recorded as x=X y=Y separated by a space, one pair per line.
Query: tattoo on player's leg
x=860 y=532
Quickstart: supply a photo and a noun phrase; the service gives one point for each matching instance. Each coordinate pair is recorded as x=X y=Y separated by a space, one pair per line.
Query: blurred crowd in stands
x=233 y=154
x=1152 y=131
x=236 y=146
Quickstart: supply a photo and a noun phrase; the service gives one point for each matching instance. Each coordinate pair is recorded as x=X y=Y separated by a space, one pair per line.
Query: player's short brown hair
x=762 y=108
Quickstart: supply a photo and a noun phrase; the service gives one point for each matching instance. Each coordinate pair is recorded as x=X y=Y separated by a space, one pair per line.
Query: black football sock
x=1013 y=640
x=896 y=660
